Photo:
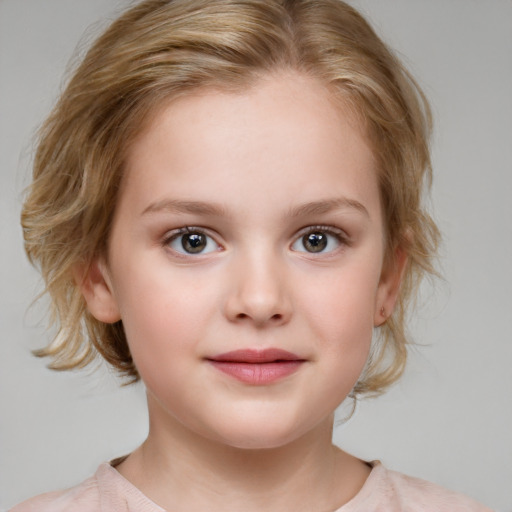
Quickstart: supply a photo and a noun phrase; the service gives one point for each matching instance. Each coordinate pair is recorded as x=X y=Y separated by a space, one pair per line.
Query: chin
x=262 y=436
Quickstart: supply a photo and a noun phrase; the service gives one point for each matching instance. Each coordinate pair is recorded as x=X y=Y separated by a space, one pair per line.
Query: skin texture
x=255 y=172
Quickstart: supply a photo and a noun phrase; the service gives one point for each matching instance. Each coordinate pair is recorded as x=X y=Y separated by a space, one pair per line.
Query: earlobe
x=389 y=287
x=95 y=285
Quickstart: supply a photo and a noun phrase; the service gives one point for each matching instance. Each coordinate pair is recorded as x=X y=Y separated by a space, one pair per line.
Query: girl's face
x=246 y=261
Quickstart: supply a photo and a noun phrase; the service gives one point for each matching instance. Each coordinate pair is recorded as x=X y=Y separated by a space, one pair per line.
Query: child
x=226 y=204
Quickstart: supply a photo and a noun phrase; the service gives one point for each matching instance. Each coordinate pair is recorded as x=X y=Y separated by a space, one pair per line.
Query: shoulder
x=107 y=491
x=82 y=498
x=85 y=497
x=408 y=494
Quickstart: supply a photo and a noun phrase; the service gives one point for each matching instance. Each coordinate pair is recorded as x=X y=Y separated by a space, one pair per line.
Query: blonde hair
x=160 y=49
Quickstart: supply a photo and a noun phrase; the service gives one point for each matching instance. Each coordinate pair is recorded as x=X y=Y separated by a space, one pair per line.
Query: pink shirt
x=383 y=491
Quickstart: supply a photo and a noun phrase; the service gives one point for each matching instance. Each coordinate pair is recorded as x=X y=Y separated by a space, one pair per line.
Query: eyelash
x=341 y=238
x=187 y=230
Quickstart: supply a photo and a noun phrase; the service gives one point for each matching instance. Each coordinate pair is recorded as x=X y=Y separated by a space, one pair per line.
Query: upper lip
x=268 y=355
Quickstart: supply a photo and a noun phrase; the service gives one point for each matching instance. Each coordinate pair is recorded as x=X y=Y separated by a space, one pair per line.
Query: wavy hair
x=161 y=49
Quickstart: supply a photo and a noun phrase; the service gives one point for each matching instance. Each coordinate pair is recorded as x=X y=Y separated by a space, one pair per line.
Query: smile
x=257 y=367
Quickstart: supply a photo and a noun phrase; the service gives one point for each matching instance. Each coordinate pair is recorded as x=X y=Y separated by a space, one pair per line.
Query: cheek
x=163 y=315
x=343 y=300
x=162 y=337
x=340 y=315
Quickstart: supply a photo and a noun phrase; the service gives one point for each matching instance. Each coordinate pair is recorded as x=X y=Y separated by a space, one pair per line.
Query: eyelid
x=332 y=230
x=173 y=234
x=340 y=235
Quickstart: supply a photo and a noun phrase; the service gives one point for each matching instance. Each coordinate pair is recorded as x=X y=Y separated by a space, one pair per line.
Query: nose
x=258 y=292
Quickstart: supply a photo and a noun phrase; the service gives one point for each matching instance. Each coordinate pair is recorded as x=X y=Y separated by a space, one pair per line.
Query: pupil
x=194 y=242
x=315 y=242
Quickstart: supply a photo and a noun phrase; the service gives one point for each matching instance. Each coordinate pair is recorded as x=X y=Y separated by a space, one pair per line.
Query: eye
x=318 y=240
x=191 y=241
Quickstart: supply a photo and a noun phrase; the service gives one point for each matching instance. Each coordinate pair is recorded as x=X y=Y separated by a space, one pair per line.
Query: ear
x=389 y=286
x=95 y=285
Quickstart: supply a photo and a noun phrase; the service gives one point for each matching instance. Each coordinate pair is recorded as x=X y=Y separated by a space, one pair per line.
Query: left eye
x=192 y=242
x=317 y=241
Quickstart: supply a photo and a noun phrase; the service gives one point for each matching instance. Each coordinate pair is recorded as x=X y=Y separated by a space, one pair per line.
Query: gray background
x=450 y=419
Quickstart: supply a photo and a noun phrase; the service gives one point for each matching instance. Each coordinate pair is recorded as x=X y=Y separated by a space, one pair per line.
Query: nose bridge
x=258 y=290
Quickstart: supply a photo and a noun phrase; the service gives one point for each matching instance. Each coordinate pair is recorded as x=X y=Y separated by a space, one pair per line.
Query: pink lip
x=257 y=367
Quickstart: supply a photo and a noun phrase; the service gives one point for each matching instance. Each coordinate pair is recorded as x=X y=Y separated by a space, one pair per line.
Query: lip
x=257 y=367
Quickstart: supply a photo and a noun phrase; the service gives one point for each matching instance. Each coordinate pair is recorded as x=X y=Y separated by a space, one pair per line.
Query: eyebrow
x=180 y=206
x=328 y=205
x=212 y=209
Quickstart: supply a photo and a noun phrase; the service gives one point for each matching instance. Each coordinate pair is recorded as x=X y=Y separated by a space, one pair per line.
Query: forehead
x=280 y=133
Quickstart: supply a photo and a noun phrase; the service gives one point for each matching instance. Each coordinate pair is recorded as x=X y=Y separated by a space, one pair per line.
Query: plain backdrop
x=450 y=419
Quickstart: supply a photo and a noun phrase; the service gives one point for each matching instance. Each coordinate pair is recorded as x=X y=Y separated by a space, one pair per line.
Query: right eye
x=191 y=241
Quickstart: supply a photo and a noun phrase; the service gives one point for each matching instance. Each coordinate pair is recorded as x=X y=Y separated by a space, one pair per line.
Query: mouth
x=257 y=367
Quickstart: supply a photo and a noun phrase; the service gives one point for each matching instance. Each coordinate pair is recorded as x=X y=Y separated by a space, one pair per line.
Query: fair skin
x=247 y=221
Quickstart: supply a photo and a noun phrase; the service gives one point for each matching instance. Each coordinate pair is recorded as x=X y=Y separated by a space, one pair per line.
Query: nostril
x=277 y=317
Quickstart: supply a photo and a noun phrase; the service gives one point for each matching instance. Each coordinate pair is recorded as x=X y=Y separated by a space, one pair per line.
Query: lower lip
x=258 y=373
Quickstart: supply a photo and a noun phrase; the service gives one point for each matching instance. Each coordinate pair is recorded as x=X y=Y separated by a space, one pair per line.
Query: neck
x=180 y=470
